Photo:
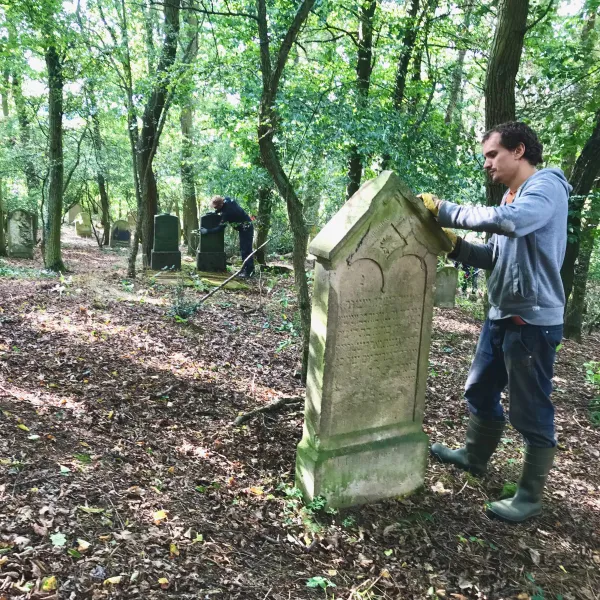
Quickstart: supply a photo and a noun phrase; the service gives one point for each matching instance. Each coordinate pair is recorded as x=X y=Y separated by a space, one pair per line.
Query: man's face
x=501 y=164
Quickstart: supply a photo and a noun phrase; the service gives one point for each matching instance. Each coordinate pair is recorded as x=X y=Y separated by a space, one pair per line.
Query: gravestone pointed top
x=375 y=197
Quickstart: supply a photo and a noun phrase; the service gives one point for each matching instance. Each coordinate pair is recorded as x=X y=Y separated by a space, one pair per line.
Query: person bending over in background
x=231 y=212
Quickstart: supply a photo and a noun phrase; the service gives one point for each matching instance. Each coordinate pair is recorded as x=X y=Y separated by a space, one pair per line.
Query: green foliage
x=182 y=307
x=319 y=581
x=19 y=272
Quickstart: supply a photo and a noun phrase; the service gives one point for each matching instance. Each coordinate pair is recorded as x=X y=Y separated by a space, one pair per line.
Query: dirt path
x=122 y=477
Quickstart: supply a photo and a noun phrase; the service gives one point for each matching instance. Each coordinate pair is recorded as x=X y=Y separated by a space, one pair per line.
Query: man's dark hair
x=514 y=133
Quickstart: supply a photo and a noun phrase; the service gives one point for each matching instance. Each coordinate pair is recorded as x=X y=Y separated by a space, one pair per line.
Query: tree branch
x=212 y=292
x=271 y=407
x=288 y=41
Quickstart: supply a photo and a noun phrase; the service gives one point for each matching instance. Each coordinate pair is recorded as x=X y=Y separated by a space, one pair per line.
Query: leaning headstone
x=445 y=287
x=165 y=253
x=73 y=212
x=120 y=235
x=211 y=246
x=372 y=310
x=83 y=225
x=20 y=232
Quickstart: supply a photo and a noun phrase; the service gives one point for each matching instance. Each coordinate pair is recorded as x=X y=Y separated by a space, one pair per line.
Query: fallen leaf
x=91 y=510
x=174 y=550
x=23 y=427
x=257 y=491
x=164 y=583
x=160 y=515
x=58 y=539
x=113 y=580
x=82 y=545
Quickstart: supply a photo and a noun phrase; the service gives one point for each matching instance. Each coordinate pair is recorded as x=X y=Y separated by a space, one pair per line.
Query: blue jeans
x=521 y=356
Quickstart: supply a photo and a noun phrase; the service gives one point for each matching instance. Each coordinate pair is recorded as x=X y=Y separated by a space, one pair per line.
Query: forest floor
x=122 y=476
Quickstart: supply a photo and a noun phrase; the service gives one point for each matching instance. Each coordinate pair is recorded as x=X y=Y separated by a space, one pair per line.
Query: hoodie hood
x=552 y=174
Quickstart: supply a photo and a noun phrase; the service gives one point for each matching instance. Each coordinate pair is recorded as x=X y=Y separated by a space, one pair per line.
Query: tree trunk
x=267 y=126
x=408 y=44
x=190 y=205
x=503 y=66
x=33 y=185
x=154 y=112
x=363 y=80
x=2 y=235
x=263 y=225
x=457 y=74
x=574 y=316
x=188 y=184
x=5 y=88
x=585 y=171
x=100 y=172
x=52 y=250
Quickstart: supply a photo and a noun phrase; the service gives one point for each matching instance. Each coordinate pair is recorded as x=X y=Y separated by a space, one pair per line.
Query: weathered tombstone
x=73 y=212
x=165 y=253
x=369 y=344
x=445 y=287
x=211 y=246
x=20 y=231
x=120 y=235
x=83 y=225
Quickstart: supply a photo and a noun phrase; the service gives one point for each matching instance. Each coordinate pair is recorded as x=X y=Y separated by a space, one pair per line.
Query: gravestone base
x=20 y=252
x=165 y=260
x=363 y=473
x=213 y=262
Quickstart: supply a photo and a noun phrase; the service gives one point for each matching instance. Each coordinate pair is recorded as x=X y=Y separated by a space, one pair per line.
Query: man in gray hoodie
x=518 y=341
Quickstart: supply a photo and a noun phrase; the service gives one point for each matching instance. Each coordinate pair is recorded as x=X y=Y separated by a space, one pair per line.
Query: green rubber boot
x=481 y=441
x=527 y=502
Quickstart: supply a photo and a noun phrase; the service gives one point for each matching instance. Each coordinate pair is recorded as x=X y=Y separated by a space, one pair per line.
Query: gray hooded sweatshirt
x=525 y=253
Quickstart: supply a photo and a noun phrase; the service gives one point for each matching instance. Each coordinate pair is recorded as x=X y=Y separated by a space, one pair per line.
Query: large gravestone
x=165 y=253
x=445 y=287
x=211 y=246
x=83 y=225
x=120 y=235
x=20 y=234
x=369 y=344
x=73 y=212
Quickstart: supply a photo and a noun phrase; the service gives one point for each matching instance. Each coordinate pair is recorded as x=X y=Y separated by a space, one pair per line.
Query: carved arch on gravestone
x=378 y=308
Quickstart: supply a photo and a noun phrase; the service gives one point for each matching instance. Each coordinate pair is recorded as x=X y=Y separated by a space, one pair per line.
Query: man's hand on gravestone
x=431 y=202
x=451 y=236
x=203 y=230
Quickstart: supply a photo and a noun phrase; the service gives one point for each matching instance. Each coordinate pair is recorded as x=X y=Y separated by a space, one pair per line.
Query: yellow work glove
x=431 y=202
x=451 y=236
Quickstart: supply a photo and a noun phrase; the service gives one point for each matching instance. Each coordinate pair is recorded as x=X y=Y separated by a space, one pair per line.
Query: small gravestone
x=445 y=287
x=120 y=235
x=165 y=253
x=83 y=225
x=20 y=232
x=73 y=212
x=372 y=310
x=211 y=246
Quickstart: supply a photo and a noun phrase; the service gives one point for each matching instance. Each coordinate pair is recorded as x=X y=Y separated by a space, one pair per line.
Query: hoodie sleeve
x=532 y=209
x=480 y=256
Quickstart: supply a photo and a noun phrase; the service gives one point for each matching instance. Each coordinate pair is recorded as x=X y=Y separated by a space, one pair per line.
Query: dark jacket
x=233 y=214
